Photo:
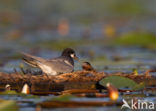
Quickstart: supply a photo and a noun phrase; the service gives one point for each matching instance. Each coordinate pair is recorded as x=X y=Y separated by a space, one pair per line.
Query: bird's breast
x=48 y=70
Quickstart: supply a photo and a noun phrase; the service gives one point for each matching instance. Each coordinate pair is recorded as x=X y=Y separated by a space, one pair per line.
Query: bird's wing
x=32 y=60
x=59 y=65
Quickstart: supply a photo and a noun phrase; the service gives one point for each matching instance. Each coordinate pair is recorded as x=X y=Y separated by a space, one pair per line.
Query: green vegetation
x=128 y=7
x=122 y=82
x=137 y=39
x=8 y=93
x=14 y=93
x=139 y=86
x=61 y=44
x=8 y=105
x=101 y=58
x=66 y=97
x=118 y=82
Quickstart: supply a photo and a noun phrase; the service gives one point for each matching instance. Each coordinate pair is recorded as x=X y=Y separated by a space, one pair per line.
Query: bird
x=86 y=66
x=54 y=66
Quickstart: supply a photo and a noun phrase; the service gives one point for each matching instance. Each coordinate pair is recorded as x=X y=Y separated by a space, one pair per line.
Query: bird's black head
x=70 y=53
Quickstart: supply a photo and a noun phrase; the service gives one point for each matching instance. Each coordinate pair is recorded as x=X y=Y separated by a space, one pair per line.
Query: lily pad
x=14 y=93
x=9 y=93
x=66 y=97
x=118 y=82
x=8 y=105
x=139 y=86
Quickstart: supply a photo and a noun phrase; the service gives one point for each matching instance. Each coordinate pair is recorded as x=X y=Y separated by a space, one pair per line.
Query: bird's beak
x=76 y=58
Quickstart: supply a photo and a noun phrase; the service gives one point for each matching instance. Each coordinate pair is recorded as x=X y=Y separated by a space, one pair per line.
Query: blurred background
x=113 y=35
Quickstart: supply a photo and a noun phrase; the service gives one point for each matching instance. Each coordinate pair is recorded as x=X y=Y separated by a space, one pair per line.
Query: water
x=102 y=57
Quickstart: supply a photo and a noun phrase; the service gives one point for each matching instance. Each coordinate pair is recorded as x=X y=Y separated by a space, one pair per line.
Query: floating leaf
x=6 y=105
x=14 y=93
x=66 y=97
x=139 y=86
x=118 y=82
x=11 y=92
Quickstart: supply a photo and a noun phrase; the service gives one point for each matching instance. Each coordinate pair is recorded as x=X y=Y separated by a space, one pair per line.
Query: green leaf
x=66 y=97
x=8 y=105
x=9 y=93
x=118 y=82
x=12 y=93
x=139 y=86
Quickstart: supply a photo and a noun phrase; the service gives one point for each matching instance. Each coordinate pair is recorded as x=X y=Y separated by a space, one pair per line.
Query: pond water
x=103 y=57
x=116 y=59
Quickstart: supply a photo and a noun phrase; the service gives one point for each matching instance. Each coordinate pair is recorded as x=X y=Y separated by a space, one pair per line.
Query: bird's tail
x=29 y=59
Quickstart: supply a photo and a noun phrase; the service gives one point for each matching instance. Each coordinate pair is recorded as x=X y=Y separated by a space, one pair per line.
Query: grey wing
x=60 y=66
x=32 y=60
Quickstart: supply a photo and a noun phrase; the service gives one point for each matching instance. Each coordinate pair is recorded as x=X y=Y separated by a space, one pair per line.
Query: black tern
x=86 y=66
x=54 y=66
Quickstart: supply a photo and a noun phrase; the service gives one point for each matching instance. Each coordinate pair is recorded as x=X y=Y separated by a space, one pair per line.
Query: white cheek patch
x=72 y=55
